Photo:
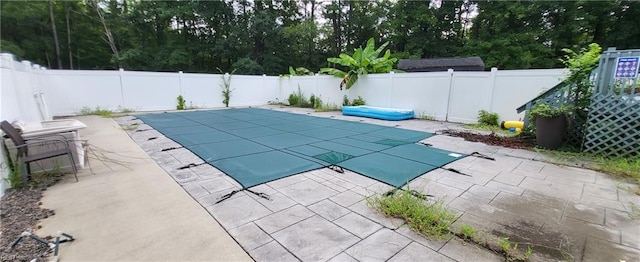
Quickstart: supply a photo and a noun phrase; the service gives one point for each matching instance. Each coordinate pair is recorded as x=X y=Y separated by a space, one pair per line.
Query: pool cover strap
x=171 y=148
x=480 y=155
x=230 y=194
x=191 y=165
x=455 y=171
x=411 y=192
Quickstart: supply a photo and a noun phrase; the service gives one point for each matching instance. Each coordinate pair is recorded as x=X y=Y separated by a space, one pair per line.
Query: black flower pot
x=550 y=131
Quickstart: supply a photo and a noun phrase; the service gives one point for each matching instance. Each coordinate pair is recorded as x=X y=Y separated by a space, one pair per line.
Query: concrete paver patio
x=564 y=212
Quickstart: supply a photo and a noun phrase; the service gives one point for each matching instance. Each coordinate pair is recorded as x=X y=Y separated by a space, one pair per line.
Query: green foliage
x=315 y=101
x=345 y=101
x=427 y=217
x=84 y=111
x=359 y=101
x=468 y=232
x=264 y=37
x=248 y=66
x=15 y=171
x=298 y=99
x=362 y=62
x=541 y=109
x=428 y=117
x=486 y=118
x=181 y=103
x=226 y=87
x=299 y=71
x=580 y=65
x=327 y=107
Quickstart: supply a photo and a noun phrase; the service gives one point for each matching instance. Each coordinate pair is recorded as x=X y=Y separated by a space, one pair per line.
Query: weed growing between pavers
x=622 y=167
x=432 y=218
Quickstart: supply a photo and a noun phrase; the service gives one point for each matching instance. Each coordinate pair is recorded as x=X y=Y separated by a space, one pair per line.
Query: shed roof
x=474 y=63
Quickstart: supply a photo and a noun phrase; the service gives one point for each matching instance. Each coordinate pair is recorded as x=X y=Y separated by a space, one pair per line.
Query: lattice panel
x=614 y=126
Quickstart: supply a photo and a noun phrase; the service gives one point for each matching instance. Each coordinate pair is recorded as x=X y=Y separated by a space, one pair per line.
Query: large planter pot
x=550 y=131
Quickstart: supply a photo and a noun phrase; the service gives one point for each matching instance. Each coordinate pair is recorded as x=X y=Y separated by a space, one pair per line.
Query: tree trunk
x=107 y=32
x=68 y=36
x=55 y=34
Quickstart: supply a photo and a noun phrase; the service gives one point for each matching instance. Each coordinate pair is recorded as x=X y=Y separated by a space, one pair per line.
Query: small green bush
x=484 y=117
x=294 y=99
x=298 y=99
x=181 y=102
x=315 y=101
x=358 y=101
x=430 y=218
x=345 y=101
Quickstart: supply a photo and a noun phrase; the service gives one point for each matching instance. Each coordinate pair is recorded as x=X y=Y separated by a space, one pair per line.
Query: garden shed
x=473 y=63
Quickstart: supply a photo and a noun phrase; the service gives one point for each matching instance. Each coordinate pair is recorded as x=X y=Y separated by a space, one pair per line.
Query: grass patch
x=430 y=218
x=468 y=232
x=492 y=128
x=627 y=168
x=104 y=112
x=424 y=116
x=85 y=111
x=328 y=107
x=433 y=219
x=130 y=127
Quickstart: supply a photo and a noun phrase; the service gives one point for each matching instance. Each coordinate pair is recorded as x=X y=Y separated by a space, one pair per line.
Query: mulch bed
x=520 y=141
x=20 y=210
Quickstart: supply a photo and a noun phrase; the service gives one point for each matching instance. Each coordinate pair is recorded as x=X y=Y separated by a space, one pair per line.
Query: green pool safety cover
x=255 y=146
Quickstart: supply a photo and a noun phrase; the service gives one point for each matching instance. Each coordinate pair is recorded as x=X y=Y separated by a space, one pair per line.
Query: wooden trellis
x=613 y=125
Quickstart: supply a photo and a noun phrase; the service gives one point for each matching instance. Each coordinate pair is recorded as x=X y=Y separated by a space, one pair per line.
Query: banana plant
x=362 y=62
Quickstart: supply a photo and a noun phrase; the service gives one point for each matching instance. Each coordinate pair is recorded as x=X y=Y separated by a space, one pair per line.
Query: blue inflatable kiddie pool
x=378 y=112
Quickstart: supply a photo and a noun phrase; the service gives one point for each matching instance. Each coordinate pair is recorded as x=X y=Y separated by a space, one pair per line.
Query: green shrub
x=181 y=102
x=294 y=99
x=345 y=101
x=484 y=117
x=358 y=101
x=298 y=99
x=315 y=101
x=430 y=218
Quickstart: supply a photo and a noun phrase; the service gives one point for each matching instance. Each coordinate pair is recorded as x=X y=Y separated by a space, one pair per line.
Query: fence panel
x=470 y=93
x=425 y=93
x=146 y=91
x=68 y=91
x=202 y=90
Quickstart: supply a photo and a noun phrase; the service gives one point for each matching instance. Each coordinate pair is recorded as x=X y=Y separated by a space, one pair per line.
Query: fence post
x=492 y=83
x=390 y=88
x=120 y=72
x=264 y=85
x=450 y=71
x=180 y=82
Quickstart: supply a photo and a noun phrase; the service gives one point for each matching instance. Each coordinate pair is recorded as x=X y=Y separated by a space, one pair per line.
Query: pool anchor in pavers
x=411 y=192
x=52 y=245
x=190 y=165
x=230 y=194
x=171 y=148
x=338 y=169
x=480 y=155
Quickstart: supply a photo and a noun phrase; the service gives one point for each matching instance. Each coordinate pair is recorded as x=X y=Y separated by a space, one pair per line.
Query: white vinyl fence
x=449 y=96
x=30 y=93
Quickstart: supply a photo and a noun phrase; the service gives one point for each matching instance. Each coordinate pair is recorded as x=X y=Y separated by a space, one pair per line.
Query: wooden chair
x=22 y=147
